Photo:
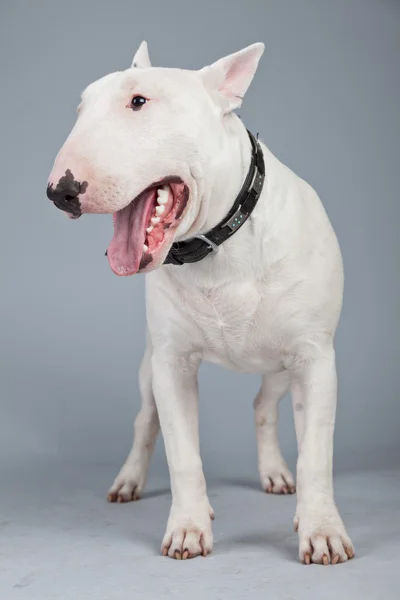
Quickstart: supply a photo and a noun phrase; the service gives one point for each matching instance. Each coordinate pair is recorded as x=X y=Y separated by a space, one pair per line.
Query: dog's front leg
x=322 y=535
x=175 y=389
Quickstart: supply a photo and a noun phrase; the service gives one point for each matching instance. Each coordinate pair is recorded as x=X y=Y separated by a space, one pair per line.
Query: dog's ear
x=231 y=76
x=141 y=58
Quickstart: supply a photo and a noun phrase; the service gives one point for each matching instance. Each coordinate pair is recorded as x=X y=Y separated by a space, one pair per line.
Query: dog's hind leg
x=274 y=472
x=130 y=481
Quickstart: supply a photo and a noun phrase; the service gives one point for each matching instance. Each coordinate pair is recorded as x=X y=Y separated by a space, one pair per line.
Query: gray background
x=326 y=101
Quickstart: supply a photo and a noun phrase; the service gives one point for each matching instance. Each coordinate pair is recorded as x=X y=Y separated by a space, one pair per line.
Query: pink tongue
x=126 y=248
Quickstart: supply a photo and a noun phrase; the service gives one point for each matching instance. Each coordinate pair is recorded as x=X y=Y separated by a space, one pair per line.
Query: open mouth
x=144 y=227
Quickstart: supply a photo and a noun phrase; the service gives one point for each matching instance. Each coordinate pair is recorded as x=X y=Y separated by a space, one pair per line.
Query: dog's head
x=142 y=139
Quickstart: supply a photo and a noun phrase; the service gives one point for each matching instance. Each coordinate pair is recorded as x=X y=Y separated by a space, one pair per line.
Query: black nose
x=66 y=194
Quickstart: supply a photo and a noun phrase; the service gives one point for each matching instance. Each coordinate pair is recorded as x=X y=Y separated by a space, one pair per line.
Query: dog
x=243 y=269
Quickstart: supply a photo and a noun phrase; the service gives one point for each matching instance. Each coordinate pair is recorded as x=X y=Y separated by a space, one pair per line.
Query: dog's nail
x=307 y=558
x=178 y=555
x=185 y=554
x=325 y=560
x=335 y=559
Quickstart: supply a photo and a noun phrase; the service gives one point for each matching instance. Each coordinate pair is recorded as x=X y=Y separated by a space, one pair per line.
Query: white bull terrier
x=243 y=270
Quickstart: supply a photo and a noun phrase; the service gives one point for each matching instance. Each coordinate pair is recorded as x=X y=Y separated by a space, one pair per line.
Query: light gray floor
x=59 y=539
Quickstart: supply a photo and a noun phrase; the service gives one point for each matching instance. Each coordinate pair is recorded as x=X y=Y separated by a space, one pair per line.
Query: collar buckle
x=205 y=239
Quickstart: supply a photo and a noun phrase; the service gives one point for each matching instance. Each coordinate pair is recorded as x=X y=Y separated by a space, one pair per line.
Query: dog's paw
x=128 y=485
x=276 y=478
x=188 y=535
x=322 y=537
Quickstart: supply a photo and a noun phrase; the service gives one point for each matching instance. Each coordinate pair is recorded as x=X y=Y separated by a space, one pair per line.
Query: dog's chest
x=229 y=319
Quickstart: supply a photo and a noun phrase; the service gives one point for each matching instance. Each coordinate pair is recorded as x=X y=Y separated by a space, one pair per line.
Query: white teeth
x=162 y=195
x=145 y=248
x=155 y=220
x=150 y=229
x=160 y=210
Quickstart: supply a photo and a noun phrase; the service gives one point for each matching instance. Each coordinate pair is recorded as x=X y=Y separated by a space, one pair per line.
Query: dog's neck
x=225 y=172
x=224 y=177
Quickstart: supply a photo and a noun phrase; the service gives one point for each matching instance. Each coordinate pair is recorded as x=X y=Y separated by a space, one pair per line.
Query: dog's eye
x=137 y=102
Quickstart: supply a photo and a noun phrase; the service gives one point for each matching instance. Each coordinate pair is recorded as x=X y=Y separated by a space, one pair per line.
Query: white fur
x=268 y=302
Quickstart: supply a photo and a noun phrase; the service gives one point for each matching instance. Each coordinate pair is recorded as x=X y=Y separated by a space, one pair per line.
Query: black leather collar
x=201 y=245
